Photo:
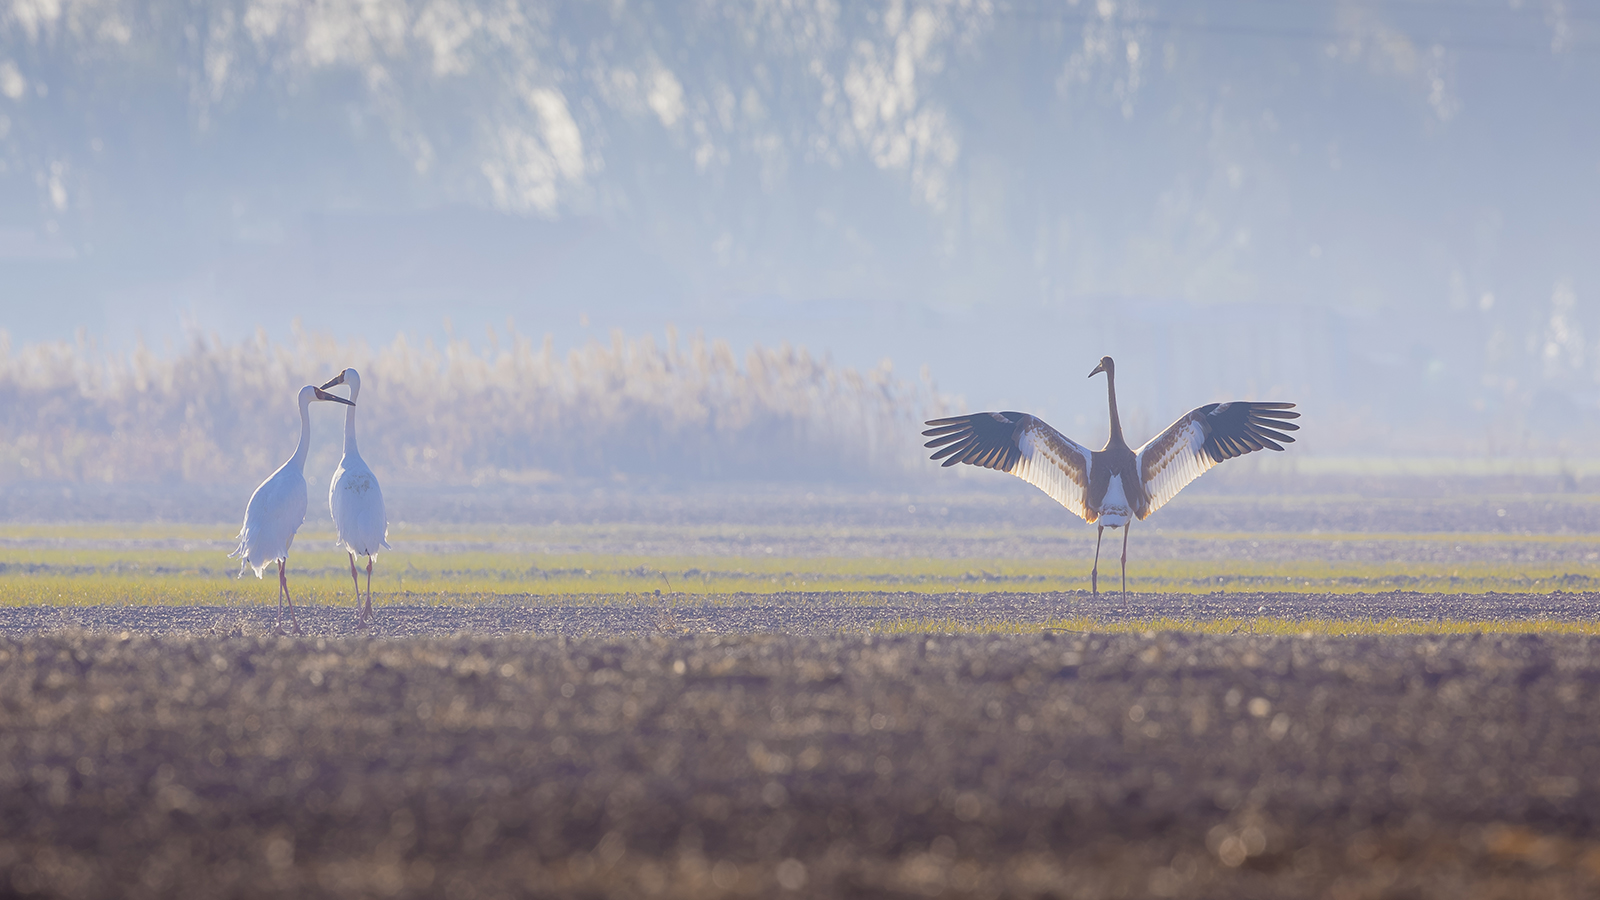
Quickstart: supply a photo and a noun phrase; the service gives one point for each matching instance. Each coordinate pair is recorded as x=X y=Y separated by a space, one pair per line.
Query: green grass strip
x=32 y=576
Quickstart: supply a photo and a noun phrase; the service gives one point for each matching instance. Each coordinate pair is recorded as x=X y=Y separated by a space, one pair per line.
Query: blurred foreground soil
x=1065 y=765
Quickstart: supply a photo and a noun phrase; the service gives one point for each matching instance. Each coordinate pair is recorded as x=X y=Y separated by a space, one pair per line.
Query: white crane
x=1111 y=487
x=356 y=501
x=278 y=508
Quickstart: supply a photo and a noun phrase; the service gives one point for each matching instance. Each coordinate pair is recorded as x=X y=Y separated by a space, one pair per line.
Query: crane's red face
x=1105 y=366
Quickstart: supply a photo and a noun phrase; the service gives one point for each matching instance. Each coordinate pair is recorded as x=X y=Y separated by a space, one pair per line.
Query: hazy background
x=1388 y=211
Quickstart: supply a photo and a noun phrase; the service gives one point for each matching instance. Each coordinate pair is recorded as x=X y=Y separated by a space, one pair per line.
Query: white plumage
x=1114 y=509
x=356 y=501
x=1051 y=462
x=277 y=509
x=1171 y=460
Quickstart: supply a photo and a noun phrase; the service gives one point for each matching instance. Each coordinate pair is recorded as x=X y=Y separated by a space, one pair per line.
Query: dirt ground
x=812 y=613
x=1066 y=765
x=763 y=746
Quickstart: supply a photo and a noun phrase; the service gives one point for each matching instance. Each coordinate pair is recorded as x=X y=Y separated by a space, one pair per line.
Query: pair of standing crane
x=1109 y=487
x=277 y=509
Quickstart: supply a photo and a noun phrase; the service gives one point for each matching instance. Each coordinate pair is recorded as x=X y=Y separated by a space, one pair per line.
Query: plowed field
x=160 y=763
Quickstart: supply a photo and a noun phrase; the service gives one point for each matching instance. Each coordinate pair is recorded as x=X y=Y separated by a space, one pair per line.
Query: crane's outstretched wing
x=1020 y=444
x=1205 y=437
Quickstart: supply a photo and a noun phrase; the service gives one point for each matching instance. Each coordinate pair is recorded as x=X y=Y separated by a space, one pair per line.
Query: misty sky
x=1389 y=211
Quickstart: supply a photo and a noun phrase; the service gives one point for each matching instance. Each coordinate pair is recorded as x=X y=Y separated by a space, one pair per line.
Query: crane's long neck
x=299 y=458
x=350 y=424
x=1116 y=421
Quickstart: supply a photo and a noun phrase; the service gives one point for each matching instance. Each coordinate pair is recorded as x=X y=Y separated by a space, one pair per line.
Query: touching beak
x=324 y=395
x=339 y=379
x=1097 y=370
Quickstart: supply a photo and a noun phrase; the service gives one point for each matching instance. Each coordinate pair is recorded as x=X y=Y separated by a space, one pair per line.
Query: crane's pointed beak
x=1097 y=370
x=338 y=379
x=324 y=395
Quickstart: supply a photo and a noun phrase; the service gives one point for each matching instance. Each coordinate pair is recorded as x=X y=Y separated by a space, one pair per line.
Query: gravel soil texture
x=179 y=765
x=799 y=612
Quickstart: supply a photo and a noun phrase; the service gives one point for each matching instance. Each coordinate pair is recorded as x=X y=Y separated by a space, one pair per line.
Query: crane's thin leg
x=355 y=581
x=283 y=587
x=283 y=582
x=1125 y=529
x=368 y=614
x=1094 y=574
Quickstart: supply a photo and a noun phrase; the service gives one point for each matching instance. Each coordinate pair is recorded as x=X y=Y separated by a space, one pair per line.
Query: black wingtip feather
x=986 y=439
x=1247 y=426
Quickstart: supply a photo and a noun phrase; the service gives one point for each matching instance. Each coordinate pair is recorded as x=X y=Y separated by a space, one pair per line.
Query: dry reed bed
x=509 y=411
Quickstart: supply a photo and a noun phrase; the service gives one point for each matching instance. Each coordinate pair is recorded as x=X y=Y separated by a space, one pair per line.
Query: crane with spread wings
x=1111 y=487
